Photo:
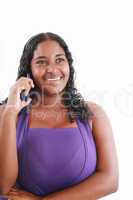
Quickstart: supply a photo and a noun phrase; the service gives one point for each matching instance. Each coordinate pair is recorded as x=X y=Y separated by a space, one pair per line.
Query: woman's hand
x=17 y=194
x=14 y=100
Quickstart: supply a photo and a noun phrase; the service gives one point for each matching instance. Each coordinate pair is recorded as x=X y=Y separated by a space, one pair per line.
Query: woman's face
x=50 y=67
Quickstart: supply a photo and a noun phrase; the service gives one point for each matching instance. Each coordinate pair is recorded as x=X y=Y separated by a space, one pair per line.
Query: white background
x=100 y=36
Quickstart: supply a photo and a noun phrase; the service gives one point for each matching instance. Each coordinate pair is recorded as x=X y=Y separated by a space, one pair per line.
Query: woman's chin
x=51 y=91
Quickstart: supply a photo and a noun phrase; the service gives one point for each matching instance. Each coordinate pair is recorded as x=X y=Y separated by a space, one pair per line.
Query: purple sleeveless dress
x=51 y=159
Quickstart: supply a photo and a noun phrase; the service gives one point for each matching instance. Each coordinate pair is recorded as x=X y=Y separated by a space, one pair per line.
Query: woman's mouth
x=54 y=79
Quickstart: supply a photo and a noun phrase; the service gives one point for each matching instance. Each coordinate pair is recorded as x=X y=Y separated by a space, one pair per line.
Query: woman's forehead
x=48 y=48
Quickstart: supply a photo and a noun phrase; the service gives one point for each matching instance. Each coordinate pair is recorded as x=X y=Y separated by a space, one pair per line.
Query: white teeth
x=53 y=79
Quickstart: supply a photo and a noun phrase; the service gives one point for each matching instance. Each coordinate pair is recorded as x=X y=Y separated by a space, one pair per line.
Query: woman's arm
x=8 y=123
x=105 y=180
x=8 y=151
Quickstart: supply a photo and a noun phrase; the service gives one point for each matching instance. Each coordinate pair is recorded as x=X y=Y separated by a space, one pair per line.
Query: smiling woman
x=69 y=149
x=49 y=66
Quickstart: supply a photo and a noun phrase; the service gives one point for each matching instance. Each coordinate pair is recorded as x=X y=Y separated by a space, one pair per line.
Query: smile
x=53 y=79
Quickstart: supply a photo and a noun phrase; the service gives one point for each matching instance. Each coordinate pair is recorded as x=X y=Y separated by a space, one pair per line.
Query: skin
x=105 y=180
x=55 y=64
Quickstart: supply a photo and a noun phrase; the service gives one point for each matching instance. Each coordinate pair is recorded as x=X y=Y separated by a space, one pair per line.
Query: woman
x=65 y=147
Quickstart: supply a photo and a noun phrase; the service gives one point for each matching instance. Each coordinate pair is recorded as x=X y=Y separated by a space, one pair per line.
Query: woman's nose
x=50 y=68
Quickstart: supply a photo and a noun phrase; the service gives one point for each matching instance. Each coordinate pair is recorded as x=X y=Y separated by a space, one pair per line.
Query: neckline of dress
x=52 y=128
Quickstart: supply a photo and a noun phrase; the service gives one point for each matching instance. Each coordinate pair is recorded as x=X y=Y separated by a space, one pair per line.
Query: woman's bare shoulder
x=97 y=109
x=100 y=117
x=2 y=108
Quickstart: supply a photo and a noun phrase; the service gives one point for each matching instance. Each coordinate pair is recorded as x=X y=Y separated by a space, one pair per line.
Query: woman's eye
x=59 y=60
x=41 y=62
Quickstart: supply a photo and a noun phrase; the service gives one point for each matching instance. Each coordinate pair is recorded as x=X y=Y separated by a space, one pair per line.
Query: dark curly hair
x=75 y=103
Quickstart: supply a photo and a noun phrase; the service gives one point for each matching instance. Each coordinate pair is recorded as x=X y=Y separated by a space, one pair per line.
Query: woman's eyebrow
x=43 y=57
x=60 y=55
x=40 y=57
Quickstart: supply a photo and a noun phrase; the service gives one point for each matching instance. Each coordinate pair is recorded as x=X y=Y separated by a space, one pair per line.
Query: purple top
x=51 y=159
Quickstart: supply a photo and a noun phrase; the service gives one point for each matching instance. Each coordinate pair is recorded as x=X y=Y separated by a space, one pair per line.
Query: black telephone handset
x=23 y=97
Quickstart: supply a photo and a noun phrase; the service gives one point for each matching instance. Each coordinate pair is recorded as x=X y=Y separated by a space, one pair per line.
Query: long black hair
x=71 y=98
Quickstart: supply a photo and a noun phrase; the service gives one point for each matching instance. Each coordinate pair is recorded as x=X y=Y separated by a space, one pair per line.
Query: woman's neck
x=49 y=102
